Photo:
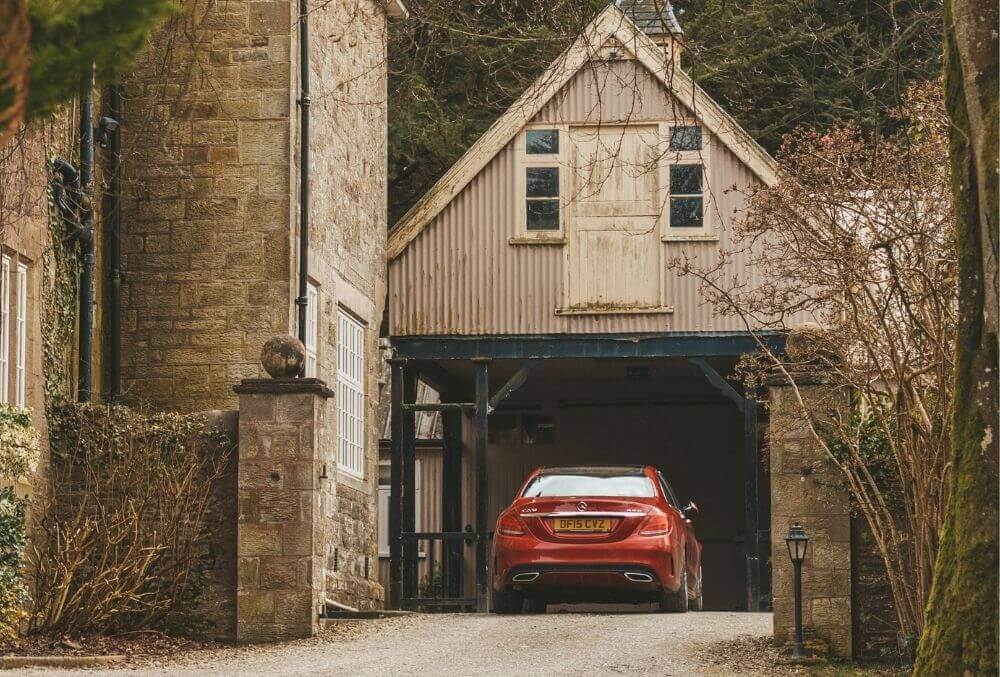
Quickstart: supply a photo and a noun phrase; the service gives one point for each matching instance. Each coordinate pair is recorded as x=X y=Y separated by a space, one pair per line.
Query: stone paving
x=615 y=643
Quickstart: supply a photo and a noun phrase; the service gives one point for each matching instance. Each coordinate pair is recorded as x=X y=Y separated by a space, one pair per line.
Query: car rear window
x=635 y=486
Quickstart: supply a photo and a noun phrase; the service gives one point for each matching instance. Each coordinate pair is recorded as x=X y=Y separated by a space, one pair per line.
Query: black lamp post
x=797 y=543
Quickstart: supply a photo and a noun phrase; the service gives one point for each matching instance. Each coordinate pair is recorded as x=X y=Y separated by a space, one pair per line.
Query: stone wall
x=24 y=234
x=347 y=257
x=281 y=538
x=207 y=243
x=876 y=628
x=807 y=488
x=211 y=220
x=215 y=605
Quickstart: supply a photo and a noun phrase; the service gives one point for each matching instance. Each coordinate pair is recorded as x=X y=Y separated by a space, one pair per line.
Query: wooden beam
x=482 y=481
x=439 y=378
x=542 y=346
x=515 y=382
x=752 y=501
x=409 y=506
x=396 y=484
x=721 y=384
x=451 y=500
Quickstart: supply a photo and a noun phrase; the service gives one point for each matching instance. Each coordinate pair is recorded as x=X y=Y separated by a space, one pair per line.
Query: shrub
x=13 y=594
x=124 y=527
x=18 y=444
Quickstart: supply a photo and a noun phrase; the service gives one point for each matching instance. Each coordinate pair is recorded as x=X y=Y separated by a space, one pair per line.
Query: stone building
x=209 y=234
x=24 y=235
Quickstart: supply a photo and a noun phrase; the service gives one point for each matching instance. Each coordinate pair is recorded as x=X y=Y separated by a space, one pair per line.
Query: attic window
x=542 y=142
x=686 y=200
x=685 y=138
x=540 y=157
x=542 y=198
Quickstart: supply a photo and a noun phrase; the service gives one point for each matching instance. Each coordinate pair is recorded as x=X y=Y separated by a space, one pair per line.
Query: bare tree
x=856 y=242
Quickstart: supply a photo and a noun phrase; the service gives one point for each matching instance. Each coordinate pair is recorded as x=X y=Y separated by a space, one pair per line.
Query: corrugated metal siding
x=428 y=511
x=461 y=276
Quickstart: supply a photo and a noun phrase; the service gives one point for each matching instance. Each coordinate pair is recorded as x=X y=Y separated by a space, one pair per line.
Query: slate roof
x=653 y=17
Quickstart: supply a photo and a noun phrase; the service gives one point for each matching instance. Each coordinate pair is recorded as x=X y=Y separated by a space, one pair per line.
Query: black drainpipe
x=304 y=102
x=112 y=216
x=85 y=374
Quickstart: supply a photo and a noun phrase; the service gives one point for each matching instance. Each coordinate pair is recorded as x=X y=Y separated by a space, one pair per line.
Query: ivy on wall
x=18 y=459
x=60 y=272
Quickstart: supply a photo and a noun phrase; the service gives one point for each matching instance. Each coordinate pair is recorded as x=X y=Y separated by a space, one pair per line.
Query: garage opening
x=681 y=414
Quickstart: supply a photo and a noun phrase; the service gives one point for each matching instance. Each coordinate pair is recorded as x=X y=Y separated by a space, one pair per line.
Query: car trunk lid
x=582 y=519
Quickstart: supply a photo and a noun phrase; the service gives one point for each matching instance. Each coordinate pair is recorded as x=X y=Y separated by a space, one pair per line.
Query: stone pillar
x=806 y=487
x=281 y=544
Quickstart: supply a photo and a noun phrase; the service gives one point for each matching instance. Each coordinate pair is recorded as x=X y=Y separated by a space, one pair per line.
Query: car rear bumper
x=639 y=567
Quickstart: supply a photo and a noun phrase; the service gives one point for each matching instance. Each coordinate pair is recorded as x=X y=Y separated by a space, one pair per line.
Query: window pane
x=685 y=179
x=589 y=485
x=685 y=138
x=542 y=141
x=543 y=182
x=543 y=215
x=538 y=429
x=685 y=212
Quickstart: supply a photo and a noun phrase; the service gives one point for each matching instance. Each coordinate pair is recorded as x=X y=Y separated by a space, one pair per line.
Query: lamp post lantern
x=797 y=543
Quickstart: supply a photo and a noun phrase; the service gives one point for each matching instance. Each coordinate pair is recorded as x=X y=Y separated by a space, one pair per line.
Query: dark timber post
x=482 y=481
x=752 y=469
x=451 y=499
x=396 y=484
x=409 y=506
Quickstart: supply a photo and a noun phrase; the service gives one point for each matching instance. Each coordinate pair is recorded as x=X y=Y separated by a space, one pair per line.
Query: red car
x=596 y=534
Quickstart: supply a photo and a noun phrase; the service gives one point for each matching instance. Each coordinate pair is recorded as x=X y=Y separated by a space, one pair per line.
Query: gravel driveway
x=480 y=644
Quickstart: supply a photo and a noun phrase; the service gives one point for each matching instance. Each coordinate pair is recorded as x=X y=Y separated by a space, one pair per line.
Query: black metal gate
x=433 y=577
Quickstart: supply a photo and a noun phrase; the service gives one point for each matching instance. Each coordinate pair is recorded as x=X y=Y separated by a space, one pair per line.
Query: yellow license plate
x=581 y=524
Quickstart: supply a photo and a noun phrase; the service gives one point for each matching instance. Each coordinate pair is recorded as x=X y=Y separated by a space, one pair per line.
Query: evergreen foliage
x=775 y=65
x=456 y=66
x=13 y=593
x=66 y=35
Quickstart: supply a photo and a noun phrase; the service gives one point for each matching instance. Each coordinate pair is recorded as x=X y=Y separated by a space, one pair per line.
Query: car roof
x=595 y=470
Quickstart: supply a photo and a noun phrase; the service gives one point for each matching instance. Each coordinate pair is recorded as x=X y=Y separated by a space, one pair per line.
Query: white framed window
x=312 y=328
x=384 y=492
x=541 y=181
x=688 y=202
x=22 y=333
x=4 y=329
x=350 y=395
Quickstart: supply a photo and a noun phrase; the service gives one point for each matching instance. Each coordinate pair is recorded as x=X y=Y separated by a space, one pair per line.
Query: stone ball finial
x=283 y=356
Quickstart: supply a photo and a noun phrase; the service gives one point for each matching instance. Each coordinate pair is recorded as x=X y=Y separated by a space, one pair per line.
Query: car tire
x=536 y=605
x=676 y=602
x=697 y=603
x=507 y=602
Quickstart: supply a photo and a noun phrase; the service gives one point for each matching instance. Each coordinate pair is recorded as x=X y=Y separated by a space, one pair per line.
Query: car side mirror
x=690 y=510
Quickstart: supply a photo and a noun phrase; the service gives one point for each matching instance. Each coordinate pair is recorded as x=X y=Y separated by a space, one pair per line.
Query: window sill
x=349 y=479
x=648 y=310
x=693 y=237
x=537 y=240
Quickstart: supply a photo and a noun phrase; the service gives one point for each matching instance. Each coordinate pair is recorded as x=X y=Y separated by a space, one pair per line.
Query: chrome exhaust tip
x=525 y=577
x=638 y=577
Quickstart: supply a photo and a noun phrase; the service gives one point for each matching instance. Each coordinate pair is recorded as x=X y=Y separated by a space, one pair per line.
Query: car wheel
x=507 y=602
x=676 y=602
x=697 y=603
x=536 y=605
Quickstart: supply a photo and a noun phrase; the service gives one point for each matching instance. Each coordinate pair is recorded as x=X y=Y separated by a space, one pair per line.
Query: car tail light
x=656 y=524
x=509 y=525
